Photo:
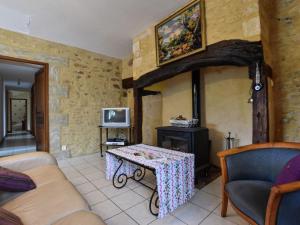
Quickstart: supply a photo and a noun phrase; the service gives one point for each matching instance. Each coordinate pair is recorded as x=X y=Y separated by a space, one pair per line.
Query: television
x=115 y=117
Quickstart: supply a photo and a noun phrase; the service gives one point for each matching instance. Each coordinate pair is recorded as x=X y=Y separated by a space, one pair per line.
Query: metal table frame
x=120 y=181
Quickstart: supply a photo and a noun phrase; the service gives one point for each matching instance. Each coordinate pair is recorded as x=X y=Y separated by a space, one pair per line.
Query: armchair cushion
x=290 y=172
x=264 y=164
x=251 y=197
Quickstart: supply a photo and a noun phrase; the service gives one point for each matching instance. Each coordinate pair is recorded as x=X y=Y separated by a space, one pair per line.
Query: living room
x=233 y=89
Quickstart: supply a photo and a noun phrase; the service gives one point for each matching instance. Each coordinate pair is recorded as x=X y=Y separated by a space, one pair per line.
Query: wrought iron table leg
x=121 y=178
x=119 y=181
x=139 y=174
x=154 y=199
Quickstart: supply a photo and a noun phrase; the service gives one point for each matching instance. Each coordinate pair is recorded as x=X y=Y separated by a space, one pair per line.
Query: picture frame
x=181 y=34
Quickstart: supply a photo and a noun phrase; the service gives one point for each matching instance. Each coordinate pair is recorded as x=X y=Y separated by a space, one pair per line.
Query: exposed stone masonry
x=80 y=84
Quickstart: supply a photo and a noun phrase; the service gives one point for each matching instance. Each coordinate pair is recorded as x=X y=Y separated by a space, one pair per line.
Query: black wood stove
x=189 y=140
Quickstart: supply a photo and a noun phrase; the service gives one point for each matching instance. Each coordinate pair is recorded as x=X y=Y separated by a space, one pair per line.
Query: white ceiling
x=21 y=76
x=103 y=26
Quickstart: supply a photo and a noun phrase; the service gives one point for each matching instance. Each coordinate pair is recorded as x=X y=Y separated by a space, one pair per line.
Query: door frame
x=45 y=72
x=26 y=114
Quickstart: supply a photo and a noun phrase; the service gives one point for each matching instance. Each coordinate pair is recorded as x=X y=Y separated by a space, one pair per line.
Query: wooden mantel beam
x=229 y=52
x=224 y=53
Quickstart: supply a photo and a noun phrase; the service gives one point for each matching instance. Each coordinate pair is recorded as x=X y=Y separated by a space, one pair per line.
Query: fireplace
x=189 y=140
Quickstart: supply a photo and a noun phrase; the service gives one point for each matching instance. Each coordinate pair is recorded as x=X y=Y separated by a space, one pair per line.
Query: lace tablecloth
x=174 y=172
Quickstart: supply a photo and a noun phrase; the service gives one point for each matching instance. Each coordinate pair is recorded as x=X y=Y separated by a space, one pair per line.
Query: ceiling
x=15 y=75
x=103 y=26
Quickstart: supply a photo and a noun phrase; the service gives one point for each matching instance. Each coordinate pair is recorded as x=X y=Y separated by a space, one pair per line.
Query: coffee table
x=174 y=172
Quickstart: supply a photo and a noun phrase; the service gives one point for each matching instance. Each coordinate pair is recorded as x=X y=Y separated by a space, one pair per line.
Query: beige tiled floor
x=129 y=205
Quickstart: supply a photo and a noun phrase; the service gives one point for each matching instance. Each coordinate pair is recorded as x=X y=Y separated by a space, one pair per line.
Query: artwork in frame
x=181 y=34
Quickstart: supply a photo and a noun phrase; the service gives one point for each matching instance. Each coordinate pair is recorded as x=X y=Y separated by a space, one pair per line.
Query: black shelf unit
x=103 y=144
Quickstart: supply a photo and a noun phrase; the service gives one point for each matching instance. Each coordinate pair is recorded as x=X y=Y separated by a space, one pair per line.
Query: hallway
x=16 y=143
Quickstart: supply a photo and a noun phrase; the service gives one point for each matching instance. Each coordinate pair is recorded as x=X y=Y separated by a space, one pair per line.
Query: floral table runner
x=174 y=172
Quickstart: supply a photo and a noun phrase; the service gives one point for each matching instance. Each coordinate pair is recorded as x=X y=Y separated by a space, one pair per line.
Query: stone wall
x=80 y=84
x=285 y=47
x=225 y=20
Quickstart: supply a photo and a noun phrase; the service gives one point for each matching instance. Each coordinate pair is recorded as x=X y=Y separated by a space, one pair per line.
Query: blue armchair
x=248 y=177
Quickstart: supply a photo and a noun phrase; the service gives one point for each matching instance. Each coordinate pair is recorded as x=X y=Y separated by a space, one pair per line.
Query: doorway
x=18 y=115
x=24 y=117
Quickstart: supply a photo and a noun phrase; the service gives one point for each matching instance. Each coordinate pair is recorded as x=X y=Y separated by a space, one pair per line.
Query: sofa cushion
x=13 y=181
x=290 y=172
x=40 y=175
x=8 y=218
x=45 y=174
x=27 y=161
x=80 y=218
x=251 y=197
x=47 y=204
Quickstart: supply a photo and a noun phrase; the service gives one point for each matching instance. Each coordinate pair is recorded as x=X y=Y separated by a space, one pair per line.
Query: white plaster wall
x=226 y=106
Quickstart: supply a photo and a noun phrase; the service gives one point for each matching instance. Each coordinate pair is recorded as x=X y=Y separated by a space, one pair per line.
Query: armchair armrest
x=27 y=161
x=277 y=193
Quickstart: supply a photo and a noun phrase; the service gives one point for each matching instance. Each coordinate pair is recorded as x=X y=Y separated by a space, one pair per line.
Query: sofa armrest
x=27 y=161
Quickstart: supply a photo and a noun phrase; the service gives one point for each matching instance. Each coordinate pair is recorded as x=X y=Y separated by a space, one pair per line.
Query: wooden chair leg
x=224 y=204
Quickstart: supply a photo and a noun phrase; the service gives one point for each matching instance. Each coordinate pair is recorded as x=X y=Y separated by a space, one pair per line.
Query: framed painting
x=181 y=34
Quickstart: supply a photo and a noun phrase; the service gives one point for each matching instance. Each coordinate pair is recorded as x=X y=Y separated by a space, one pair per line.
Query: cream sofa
x=55 y=201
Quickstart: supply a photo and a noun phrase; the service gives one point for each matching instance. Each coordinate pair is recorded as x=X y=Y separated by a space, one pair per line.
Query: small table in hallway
x=174 y=173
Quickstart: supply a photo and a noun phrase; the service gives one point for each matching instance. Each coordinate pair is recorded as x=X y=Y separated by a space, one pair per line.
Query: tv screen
x=115 y=117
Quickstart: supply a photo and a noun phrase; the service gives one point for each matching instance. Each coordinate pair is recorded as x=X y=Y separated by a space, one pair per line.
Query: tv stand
x=103 y=144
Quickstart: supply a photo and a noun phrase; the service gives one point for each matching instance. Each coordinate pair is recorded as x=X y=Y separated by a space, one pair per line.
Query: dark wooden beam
x=138 y=115
x=148 y=92
x=260 y=106
x=229 y=52
x=196 y=97
x=127 y=83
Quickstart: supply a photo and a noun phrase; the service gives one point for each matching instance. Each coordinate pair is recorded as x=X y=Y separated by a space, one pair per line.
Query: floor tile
x=82 y=166
x=72 y=175
x=68 y=169
x=85 y=188
x=102 y=182
x=213 y=219
x=167 y=220
x=110 y=191
x=95 y=197
x=95 y=176
x=141 y=213
x=106 y=209
x=120 y=219
x=143 y=191
x=132 y=184
x=129 y=205
x=78 y=180
x=213 y=188
x=76 y=161
x=127 y=200
x=205 y=200
x=232 y=216
x=191 y=214
x=89 y=170
x=63 y=163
